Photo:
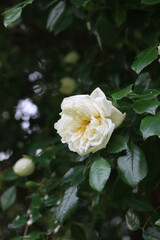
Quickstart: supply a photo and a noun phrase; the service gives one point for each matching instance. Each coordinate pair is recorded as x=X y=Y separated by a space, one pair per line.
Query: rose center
x=83 y=125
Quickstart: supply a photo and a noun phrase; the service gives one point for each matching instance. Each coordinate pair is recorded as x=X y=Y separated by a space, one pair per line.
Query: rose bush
x=112 y=194
x=87 y=122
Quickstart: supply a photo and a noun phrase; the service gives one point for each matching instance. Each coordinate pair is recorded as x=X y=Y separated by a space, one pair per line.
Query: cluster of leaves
x=114 y=193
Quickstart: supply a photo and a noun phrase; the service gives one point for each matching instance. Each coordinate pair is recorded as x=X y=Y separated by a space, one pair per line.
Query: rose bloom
x=24 y=167
x=87 y=122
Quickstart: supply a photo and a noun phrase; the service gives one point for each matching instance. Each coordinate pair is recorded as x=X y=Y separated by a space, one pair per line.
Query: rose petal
x=102 y=101
x=117 y=117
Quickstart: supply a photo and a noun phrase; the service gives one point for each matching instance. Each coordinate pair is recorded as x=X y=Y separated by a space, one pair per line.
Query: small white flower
x=71 y=58
x=24 y=167
x=87 y=122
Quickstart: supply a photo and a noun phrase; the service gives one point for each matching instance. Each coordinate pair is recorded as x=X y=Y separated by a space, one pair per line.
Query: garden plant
x=80 y=120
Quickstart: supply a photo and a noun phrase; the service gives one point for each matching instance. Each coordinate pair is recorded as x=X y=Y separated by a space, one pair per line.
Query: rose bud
x=71 y=58
x=24 y=167
x=68 y=85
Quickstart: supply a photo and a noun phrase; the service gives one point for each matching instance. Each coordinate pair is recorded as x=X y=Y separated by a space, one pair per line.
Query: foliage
x=109 y=195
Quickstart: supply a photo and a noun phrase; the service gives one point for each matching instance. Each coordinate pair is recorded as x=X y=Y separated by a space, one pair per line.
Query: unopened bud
x=68 y=85
x=24 y=167
x=71 y=58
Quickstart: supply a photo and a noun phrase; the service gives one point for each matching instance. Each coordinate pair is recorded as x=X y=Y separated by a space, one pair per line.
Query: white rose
x=87 y=122
x=24 y=167
x=71 y=58
x=68 y=85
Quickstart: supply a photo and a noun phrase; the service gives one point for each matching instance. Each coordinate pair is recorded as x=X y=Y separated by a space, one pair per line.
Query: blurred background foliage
x=102 y=39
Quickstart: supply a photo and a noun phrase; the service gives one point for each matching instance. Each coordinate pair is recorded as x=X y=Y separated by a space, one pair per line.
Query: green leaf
x=77 y=232
x=132 y=168
x=35 y=216
x=50 y=185
x=50 y=4
x=144 y=59
x=79 y=2
x=21 y=5
x=41 y=145
x=132 y=220
x=12 y=16
x=122 y=93
x=81 y=158
x=16 y=238
x=138 y=203
x=74 y=175
x=37 y=202
x=52 y=228
x=19 y=221
x=26 y=2
x=8 y=197
x=34 y=236
x=63 y=22
x=151 y=233
x=99 y=174
x=150 y=126
x=116 y=144
x=120 y=190
x=142 y=82
x=54 y=15
x=105 y=38
x=155 y=216
x=120 y=14
x=31 y=184
x=68 y=204
x=157 y=222
x=10 y=176
x=149 y=94
x=150 y=2
x=145 y=106
x=45 y=158
x=51 y=200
